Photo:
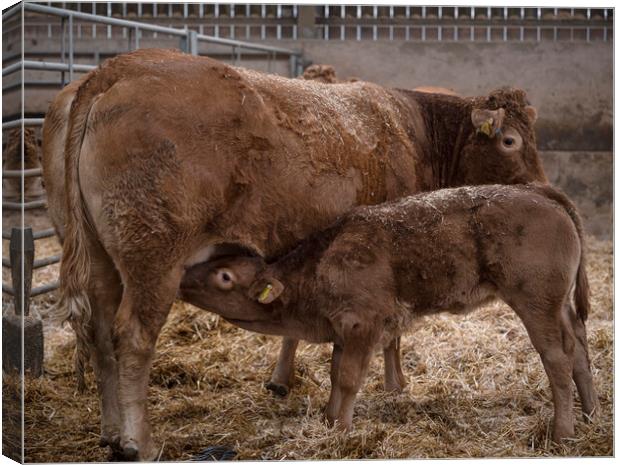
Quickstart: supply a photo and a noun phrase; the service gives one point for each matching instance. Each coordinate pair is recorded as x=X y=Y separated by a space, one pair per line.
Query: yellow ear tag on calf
x=265 y=293
x=487 y=127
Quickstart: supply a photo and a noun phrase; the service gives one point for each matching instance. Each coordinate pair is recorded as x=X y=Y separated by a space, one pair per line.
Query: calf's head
x=501 y=148
x=240 y=289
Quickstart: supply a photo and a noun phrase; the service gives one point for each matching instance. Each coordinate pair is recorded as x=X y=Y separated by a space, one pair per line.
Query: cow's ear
x=487 y=122
x=267 y=290
x=531 y=113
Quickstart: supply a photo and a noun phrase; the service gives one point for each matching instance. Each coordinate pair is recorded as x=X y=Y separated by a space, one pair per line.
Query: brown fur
x=361 y=282
x=169 y=157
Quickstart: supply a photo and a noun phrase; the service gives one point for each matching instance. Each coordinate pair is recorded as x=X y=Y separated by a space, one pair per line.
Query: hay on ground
x=476 y=388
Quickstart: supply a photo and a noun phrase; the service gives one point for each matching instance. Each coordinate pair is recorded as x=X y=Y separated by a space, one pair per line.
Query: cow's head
x=239 y=288
x=501 y=148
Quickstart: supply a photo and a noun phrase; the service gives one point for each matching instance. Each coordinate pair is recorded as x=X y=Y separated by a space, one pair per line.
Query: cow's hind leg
x=147 y=298
x=283 y=375
x=582 y=375
x=394 y=377
x=552 y=335
x=105 y=293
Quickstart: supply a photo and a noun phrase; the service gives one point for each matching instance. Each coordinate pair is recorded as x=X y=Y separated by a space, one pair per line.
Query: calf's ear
x=267 y=290
x=487 y=122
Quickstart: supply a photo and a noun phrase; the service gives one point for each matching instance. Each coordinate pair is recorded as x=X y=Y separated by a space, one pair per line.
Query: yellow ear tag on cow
x=487 y=127
x=265 y=293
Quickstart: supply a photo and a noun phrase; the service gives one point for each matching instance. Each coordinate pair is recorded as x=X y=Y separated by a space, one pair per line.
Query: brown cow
x=282 y=378
x=12 y=160
x=169 y=156
x=361 y=282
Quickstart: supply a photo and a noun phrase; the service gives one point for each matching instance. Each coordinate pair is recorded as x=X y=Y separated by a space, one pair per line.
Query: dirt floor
x=476 y=388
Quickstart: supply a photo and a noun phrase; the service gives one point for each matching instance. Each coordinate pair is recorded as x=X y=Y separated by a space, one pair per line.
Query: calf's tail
x=73 y=304
x=582 y=286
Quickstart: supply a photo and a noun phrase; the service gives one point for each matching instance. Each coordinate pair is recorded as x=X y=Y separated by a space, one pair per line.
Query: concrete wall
x=587 y=178
x=571 y=84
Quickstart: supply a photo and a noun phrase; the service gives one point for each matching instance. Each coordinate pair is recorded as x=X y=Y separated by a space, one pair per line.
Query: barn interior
x=476 y=387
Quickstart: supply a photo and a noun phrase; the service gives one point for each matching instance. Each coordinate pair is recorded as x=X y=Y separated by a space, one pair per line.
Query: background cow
x=12 y=160
x=169 y=156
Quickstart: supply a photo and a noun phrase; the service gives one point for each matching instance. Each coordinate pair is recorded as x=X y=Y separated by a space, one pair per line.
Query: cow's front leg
x=283 y=375
x=143 y=311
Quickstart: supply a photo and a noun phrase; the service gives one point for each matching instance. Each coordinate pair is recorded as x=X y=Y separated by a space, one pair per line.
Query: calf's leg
x=582 y=375
x=335 y=396
x=394 y=379
x=554 y=340
x=143 y=310
x=352 y=371
x=283 y=375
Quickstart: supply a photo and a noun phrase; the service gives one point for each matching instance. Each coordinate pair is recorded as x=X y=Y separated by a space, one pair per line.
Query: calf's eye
x=508 y=141
x=225 y=279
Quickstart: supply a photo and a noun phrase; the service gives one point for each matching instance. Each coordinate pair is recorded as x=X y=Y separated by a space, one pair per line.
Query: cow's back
x=272 y=159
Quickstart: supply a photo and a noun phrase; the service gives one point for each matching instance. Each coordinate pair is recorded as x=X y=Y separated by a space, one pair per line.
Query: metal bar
x=39 y=263
x=94 y=28
x=21 y=253
x=45 y=66
x=137 y=37
x=29 y=173
x=70 y=48
x=62 y=49
x=25 y=121
x=44 y=289
x=16 y=206
x=51 y=260
x=101 y=19
x=246 y=45
x=154 y=28
x=110 y=15
x=7 y=290
x=45 y=233
x=11 y=11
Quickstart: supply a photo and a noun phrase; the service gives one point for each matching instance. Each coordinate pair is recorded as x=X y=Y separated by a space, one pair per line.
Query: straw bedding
x=476 y=389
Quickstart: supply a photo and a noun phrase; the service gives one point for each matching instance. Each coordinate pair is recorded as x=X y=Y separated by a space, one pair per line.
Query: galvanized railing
x=463 y=23
x=22 y=241
x=366 y=22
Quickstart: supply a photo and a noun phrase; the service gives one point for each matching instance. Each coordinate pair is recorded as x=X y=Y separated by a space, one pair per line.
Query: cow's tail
x=582 y=286
x=73 y=304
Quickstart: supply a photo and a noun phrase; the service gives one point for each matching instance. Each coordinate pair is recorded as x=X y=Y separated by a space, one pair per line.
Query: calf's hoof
x=589 y=417
x=113 y=441
x=131 y=452
x=562 y=433
x=394 y=386
x=278 y=389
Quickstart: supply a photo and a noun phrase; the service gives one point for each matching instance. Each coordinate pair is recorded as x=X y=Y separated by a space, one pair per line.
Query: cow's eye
x=226 y=277
x=508 y=141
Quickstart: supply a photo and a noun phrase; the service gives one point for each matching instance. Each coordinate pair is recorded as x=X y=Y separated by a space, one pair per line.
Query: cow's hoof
x=214 y=453
x=278 y=389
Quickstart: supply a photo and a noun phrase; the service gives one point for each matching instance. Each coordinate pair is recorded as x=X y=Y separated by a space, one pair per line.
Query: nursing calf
x=361 y=282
